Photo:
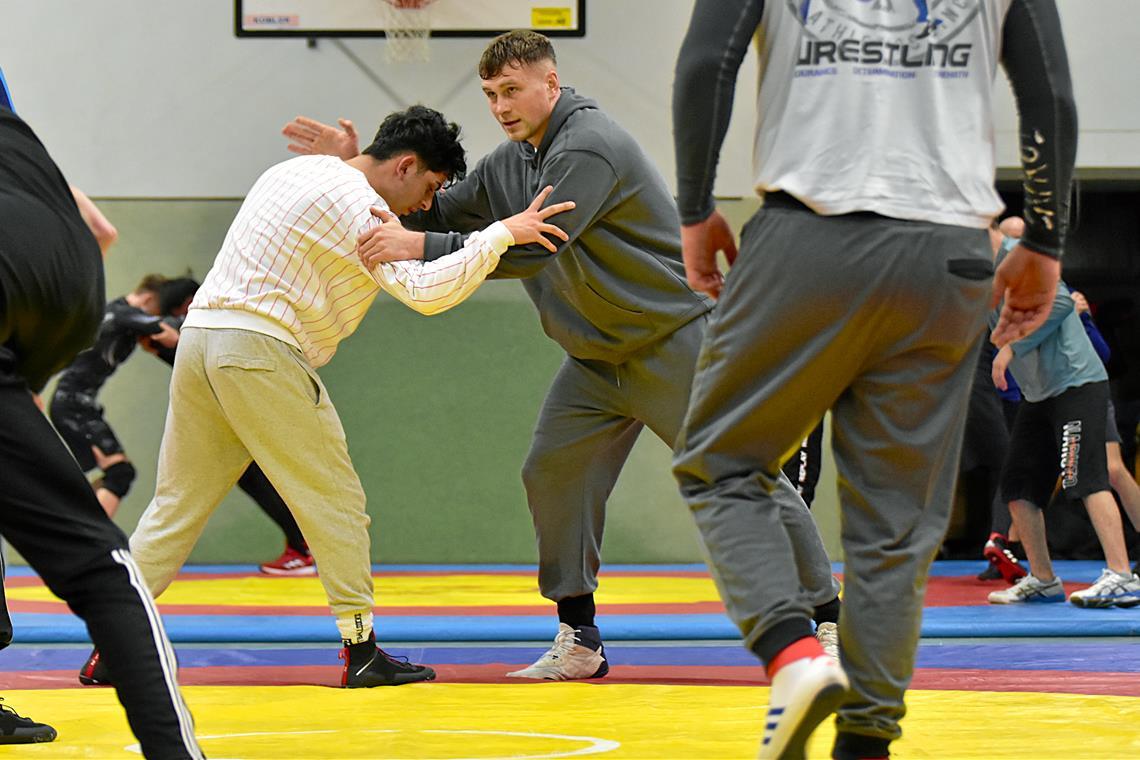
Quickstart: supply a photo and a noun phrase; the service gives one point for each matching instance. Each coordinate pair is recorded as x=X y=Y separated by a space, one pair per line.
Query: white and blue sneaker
x=1111 y=588
x=1030 y=590
x=803 y=694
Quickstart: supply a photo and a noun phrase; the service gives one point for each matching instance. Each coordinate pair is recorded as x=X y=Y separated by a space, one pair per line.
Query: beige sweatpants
x=237 y=396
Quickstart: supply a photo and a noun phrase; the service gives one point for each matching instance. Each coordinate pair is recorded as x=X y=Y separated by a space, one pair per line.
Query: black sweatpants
x=984 y=447
x=49 y=514
x=803 y=467
x=257 y=487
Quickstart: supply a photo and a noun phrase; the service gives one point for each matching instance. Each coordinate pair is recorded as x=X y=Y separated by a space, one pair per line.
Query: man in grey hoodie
x=614 y=297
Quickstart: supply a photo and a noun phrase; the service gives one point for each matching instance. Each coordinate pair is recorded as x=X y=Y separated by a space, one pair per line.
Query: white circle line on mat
x=596 y=746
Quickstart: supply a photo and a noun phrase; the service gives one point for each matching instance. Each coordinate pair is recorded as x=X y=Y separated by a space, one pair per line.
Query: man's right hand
x=1028 y=282
x=313 y=138
x=531 y=227
x=699 y=245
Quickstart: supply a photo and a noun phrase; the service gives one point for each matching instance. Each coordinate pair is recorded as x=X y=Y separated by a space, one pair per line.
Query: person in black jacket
x=51 y=304
x=150 y=316
x=75 y=410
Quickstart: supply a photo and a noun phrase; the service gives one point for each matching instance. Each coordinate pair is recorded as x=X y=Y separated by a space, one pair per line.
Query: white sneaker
x=803 y=694
x=1110 y=588
x=827 y=634
x=567 y=660
x=1030 y=590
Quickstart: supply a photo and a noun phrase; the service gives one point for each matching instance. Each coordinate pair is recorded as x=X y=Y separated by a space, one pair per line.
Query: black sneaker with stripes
x=365 y=667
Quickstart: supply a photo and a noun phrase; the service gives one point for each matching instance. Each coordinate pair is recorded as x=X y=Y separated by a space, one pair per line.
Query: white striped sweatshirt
x=288 y=266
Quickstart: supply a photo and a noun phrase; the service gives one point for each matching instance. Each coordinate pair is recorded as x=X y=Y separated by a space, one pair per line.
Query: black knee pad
x=118 y=478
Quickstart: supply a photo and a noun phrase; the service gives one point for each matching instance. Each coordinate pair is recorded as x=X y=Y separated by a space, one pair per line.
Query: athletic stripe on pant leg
x=165 y=652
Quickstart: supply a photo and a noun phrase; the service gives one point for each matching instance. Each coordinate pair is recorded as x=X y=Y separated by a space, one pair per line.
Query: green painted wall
x=438 y=412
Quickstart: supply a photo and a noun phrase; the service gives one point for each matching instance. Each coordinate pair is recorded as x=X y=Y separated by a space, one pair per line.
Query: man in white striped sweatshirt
x=286 y=288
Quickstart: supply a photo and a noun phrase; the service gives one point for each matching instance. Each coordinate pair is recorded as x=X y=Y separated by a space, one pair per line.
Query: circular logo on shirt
x=893 y=21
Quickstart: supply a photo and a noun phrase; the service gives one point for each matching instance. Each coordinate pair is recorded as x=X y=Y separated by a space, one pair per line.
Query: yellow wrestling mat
x=441 y=590
x=557 y=720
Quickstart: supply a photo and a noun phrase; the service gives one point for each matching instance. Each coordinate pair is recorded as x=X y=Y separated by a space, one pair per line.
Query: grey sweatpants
x=589 y=422
x=235 y=396
x=876 y=320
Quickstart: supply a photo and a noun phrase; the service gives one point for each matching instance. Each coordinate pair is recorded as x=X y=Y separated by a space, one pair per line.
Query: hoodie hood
x=568 y=102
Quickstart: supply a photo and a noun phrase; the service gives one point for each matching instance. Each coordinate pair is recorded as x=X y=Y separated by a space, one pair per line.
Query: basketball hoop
x=407 y=25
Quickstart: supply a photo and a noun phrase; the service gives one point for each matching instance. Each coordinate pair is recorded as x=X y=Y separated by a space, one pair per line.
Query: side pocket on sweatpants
x=970 y=269
x=310 y=375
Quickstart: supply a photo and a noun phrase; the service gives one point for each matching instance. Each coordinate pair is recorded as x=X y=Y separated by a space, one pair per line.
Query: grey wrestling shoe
x=1110 y=589
x=1030 y=590
x=568 y=659
x=827 y=634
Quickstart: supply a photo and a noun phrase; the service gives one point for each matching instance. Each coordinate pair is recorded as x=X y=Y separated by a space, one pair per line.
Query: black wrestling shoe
x=16 y=729
x=375 y=667
x=94 y=671
x=991 y=573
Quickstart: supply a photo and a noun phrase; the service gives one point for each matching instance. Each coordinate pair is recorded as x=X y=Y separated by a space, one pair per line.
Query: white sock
x=355 y=627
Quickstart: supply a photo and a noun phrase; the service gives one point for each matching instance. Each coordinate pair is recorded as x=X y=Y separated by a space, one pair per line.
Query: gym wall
x=161 y=114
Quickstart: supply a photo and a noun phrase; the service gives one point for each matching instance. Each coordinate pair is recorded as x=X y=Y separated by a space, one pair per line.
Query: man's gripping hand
x=388 y=241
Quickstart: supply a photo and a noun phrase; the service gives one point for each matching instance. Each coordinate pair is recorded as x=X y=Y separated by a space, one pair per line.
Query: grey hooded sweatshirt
x=618 y=285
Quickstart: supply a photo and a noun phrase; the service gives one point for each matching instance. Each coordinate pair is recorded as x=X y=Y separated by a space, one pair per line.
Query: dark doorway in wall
x=1102 y=261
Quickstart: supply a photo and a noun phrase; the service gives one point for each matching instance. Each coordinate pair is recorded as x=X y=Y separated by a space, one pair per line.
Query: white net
x=407 y=24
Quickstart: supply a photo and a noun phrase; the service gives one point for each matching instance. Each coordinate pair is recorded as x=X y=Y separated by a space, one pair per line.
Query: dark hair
x=426 y=133
x=173 y=293
x=519 y=48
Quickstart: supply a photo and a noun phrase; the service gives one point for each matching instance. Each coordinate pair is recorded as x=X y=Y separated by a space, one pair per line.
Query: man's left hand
x=699 y=245
x=388 y=241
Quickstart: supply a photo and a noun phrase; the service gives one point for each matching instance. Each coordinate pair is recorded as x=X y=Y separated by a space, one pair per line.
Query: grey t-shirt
x=1058 y=355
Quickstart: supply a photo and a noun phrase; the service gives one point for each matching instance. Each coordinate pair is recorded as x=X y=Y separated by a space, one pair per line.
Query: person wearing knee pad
x=75 y=410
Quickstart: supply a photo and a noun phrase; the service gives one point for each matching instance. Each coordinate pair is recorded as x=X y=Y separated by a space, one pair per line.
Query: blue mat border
x=939 y=622
x=1117 y=657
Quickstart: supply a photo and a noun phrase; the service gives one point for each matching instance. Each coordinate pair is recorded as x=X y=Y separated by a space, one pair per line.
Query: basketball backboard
x=366 y=18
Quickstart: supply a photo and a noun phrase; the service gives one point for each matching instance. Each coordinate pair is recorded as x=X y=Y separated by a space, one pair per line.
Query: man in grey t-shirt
x=860 y=287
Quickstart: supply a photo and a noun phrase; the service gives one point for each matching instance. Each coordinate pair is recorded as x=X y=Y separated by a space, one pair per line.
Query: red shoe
x=1002 y=559
x=291 y=562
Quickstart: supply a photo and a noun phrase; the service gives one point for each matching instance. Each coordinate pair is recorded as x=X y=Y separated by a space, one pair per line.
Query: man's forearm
x=1033 y=53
